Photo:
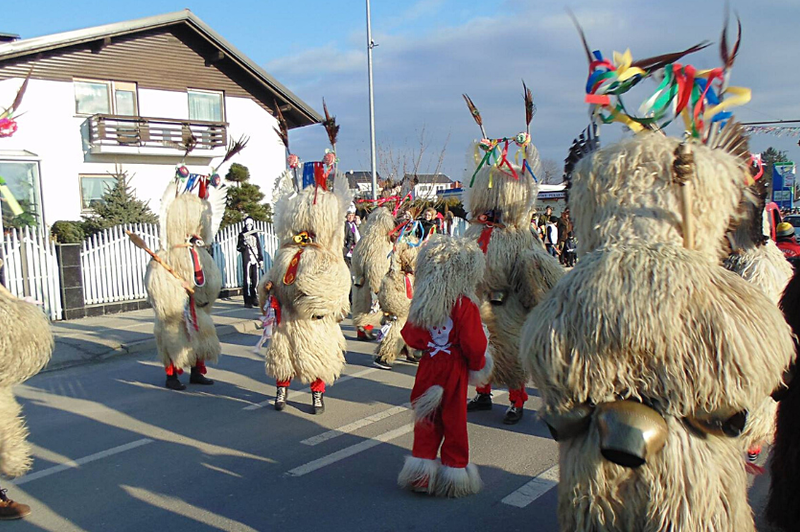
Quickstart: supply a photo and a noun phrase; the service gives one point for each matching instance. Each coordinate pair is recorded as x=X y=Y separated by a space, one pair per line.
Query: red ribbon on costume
x=203 y=190
x=486 y=235
x=193 y=313
x=276 y=306
x=504 y=161
x=199 y=276
x=409 y=287
x=320 y=178
x=291 y=271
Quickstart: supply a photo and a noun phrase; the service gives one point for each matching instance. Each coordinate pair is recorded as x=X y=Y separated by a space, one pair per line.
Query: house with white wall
x=127 y=96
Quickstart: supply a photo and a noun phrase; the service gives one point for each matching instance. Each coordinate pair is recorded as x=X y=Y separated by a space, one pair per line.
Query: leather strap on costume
x=199 y=275
x=486 y=235
x=291 y=271
x=276 y=306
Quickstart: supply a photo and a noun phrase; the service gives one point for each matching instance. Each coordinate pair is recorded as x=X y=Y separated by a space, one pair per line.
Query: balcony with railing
x=154 y=136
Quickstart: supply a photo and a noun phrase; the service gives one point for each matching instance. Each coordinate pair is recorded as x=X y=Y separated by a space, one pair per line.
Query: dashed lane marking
x=533 y=489
x=75 y=464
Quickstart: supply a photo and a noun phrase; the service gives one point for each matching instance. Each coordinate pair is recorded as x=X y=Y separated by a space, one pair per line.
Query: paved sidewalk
x=94 y=339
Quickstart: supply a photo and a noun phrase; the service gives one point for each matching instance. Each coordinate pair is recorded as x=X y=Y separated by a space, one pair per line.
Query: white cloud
x=419 y=78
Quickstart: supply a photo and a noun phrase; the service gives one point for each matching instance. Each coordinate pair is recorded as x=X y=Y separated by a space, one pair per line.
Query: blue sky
x=431 y=51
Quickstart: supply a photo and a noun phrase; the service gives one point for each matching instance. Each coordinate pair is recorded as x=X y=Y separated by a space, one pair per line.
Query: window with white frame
x=105 y=97
x=22 y=179
x=93 y=188
x=206 y=105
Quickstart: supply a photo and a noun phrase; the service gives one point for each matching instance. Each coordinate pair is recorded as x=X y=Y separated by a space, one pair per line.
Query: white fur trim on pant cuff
x=416 y=471
x=426 y=404
x=483 y=376
x=458 y=481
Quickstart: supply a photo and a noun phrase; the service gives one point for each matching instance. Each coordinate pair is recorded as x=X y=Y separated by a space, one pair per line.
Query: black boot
x=280 y=398
x=482 y=401
x=317 y=402
x=174 y=384
x=513 y=415
x=199 y=378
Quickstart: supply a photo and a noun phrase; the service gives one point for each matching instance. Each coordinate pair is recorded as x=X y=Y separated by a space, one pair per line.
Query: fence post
x=70 y=273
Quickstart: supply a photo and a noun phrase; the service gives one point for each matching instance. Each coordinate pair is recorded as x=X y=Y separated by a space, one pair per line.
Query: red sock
x=283 y=384
x=484 y=389
x=172 y=370
x=201 y=367
x=518 y=396
x=318 y=386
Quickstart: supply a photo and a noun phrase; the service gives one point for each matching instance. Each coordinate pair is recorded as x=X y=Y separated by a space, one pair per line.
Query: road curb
x=243 y=326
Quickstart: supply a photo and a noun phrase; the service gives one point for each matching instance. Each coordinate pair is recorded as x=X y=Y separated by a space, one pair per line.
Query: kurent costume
x=308 y=285
x=444 y=322
x=500 y=202
x=25 y=347
x=394 y=296
x=649 y=355
x=756 y=258
x=249 y=246
x=370 y=263
x=183 y=281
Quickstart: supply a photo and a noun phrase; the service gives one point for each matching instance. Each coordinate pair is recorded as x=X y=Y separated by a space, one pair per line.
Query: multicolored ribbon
x=500 y=156
x=698 y=96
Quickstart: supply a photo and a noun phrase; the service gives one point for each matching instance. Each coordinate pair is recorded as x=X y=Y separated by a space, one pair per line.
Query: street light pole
x=370 y=46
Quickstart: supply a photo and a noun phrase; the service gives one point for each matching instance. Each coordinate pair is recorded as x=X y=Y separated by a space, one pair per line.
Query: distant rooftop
x=8 y=37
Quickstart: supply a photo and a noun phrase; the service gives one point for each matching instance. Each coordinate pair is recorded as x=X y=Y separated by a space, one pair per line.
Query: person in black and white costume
x=252 y=257
x=351 y=235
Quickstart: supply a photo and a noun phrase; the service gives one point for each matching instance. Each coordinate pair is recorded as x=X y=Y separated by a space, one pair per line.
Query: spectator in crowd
x=569 y=253
x=351 y=235
x=786 y=240
x=430 y=223
x=551 y=236
x=449 y=223
x=564 y=225
x=545 y=218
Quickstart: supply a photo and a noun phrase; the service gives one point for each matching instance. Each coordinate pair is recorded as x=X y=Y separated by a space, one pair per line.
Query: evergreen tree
x=244 y=198
x=118 y=205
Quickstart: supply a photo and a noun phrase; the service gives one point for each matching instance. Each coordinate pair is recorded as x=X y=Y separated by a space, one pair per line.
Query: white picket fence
x=30 y=268
x=114 y=269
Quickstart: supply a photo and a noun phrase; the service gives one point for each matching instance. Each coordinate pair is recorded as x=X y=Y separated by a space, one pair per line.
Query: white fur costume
x=308 y=343
x=370 y=263
x=25 y=347
x=182 y=343
x=642 y=318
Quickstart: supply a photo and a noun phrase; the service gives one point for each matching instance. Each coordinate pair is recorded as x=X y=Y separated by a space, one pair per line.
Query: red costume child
x=445 y=323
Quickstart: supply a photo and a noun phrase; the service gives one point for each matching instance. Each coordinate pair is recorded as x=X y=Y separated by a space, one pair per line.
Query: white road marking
x=343 y=378
x=533 y=489
x=74 y=464
x=355 y=425
x=349 y=451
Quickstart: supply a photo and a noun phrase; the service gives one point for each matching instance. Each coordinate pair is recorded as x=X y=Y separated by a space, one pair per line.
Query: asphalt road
x=115 y=451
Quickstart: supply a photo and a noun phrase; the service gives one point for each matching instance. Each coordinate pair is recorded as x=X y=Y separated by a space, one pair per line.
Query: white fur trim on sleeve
x=484 y=375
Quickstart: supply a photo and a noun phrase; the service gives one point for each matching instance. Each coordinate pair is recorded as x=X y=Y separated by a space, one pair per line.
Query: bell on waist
x=721 y=422
x=570 y=424
x=497 y=297
x=630 y=432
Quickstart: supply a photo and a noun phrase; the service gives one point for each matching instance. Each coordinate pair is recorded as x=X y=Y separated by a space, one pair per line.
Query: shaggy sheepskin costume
x=25 y=346
x=185 y=333
x=758 y=260
x=649 y=355
x=395 y=295
x=783 y=506
x=444 y=322
x=519 y=272
x=310 y=286
x=370 y=263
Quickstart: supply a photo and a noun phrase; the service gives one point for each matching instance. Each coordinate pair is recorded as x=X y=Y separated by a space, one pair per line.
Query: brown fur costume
x=516 y=265
x=308 y=343
x=395 y=302
x=370 y=263
x=642 y=318
x=25 y=347
x=183 y=217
